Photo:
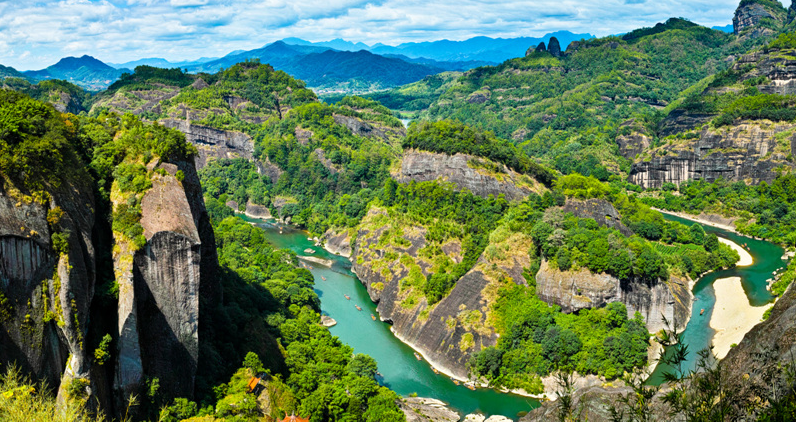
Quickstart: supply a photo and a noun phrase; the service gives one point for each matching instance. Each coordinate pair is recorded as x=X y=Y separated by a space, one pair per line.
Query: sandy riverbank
x=746 y=257
x=733 y=315
x=699 y=220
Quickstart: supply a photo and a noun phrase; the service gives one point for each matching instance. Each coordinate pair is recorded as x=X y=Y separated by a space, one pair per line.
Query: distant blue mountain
x=725 y=28
x=162 y=63
x=478 y=49
x=85 y=71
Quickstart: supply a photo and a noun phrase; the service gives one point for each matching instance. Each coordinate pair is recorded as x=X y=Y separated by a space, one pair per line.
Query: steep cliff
x=750 y=151
x=448 y=332
x=758 y=18
x=46 y=288
x=576 y=290
x=162 y=284
x=213 y=143
x=480 y=176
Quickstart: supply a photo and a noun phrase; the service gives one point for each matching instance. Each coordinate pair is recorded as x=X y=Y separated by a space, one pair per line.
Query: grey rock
x=745 y=152
x=213 y=143
x=161 y=287
x=425 y=166
x=573 y=291
x=436 y=331
x=419 y=409
x=750 y=15
x=338 y=243
x=599 y=210
x=369 y=130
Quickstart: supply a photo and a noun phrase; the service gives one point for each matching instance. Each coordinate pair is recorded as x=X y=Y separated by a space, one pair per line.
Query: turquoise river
x=406 y=375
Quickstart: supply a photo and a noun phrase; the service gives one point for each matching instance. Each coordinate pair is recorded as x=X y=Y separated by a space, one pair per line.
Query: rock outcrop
x=338 y=243
x=46 y=293
x=748 y=152
x=160 y=286
x=419 y=409
x=599 y=210
x=541 y=48
x=450 y=331
x=138 y=101
x=748 y=17
x=576 y=290
x=554 y=47
x=213 y=143
x=466 y=172
x=369 y=129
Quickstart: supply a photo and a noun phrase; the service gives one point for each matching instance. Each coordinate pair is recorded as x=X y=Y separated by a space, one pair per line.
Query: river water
x=767 y=260
x=404 y=374
x=400 y=370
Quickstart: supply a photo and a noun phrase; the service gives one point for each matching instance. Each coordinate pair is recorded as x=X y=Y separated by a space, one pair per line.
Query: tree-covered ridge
x=416 y=96
x=149 y=77
x=766 y=211
x=569 y=110
x=451 y=137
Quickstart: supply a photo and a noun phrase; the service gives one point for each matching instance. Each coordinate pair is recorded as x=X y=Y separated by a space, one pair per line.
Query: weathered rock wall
x=576 y=290
x=163 y=285
x=450 y=331
x=746 y=152
x=213 y=143
x=750 y=15
x=425 y=166
x=44 y=317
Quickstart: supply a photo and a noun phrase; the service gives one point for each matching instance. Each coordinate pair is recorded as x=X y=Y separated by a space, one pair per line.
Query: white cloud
x=122 y=30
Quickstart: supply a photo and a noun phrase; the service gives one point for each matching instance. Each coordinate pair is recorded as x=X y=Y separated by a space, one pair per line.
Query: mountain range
x=85 y=71
x=336 y=65
x=485 y=49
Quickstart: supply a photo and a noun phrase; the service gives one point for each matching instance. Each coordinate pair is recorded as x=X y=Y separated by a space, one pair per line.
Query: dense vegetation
x=765 y=211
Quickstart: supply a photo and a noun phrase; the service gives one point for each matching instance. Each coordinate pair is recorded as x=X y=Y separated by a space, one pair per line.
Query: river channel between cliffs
x=406 y=375
x=399 y=368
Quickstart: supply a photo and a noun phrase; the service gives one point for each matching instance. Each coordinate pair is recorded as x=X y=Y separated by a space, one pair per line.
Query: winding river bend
x=403 y=373
x=400 y=370
x=754 y=278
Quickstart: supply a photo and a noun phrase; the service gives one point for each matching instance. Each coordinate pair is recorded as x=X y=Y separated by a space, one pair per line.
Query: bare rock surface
x=419 y=409
x=213 y=143
x=460 y=170
x=576 y=290
x=750 y=152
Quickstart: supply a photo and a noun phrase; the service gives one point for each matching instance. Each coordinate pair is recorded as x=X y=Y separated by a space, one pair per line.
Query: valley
x=493 y=235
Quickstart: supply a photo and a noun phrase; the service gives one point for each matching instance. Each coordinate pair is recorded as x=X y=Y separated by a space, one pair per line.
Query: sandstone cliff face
x=448 y=332
x=746 y=152
x=162 y=285
x=47 y=296
x=749 y=16
x=573 y=291
x=213 y=143
x=463 y=171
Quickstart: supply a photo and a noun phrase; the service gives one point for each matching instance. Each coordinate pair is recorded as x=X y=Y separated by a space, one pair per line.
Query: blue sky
x=35 y=34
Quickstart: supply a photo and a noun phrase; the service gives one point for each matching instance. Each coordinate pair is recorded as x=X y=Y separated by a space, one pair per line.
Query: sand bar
x=733 y=316
x=746 y=258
